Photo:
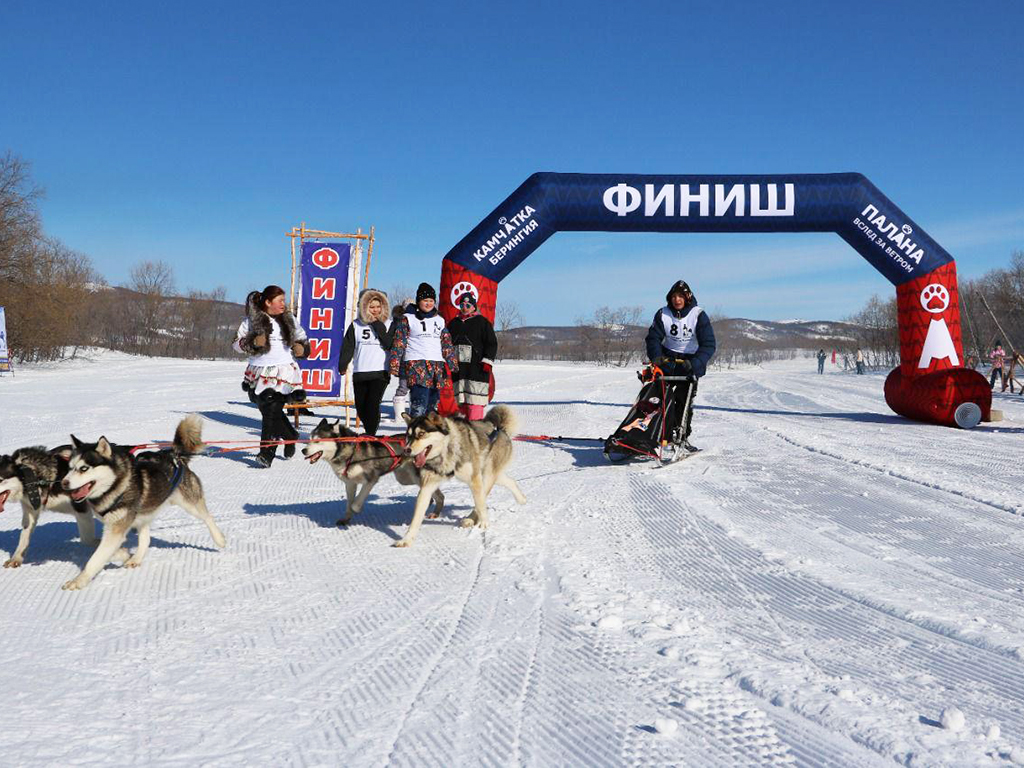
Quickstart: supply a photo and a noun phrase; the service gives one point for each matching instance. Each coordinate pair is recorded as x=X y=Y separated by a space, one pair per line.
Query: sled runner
x=644 y=433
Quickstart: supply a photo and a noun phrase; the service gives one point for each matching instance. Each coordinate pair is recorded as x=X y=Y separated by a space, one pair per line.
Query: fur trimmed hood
x=259 y=325
x=365 y=297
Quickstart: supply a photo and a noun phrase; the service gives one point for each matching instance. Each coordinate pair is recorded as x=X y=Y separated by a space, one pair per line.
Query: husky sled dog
x=361 y=462
x=33 y=476
x=127 y=491
x=476 y=452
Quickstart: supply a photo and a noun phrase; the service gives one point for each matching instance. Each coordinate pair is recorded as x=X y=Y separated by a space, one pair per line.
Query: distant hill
x=560 y=342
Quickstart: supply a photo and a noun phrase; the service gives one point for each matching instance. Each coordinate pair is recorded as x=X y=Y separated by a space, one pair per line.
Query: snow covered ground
x=827 y=583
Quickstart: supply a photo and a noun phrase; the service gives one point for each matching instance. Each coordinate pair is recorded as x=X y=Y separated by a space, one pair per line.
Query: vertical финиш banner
x=5 y=360
x=323 y=297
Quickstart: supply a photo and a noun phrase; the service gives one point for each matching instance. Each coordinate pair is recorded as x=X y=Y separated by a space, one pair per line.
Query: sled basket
x=642 y=432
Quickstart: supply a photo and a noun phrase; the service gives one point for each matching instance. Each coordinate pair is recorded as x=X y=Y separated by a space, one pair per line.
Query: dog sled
x=646 y=433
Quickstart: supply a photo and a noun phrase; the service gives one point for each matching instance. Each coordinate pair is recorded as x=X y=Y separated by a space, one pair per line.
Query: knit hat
x=468 y=295
x=425 y=291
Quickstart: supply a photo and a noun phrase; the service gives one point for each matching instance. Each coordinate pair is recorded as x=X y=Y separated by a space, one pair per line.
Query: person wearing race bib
x=422 y=353
x=681 y=342
x=366 y=346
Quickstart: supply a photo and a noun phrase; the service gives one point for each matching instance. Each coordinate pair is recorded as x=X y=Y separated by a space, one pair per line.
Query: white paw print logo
x=464 y=287
x=935 y=298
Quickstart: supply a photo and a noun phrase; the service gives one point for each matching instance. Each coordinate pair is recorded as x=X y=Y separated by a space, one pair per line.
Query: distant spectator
x=998 y=358
x=821 y=360
x=860 y=361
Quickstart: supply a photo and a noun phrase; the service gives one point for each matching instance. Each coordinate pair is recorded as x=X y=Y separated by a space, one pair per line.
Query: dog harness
x=396 y=458
x=32 y=484
x=176 y=478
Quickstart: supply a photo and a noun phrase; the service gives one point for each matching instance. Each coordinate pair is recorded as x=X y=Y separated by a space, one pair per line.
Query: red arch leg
x=931 y=382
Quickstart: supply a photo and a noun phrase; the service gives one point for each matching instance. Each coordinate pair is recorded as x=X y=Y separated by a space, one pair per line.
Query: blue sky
x=200 y=133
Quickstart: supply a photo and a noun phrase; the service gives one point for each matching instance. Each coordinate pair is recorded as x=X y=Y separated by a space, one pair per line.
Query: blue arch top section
x=845 y=203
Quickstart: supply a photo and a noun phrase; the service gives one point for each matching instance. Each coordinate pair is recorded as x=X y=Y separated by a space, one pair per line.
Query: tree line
x=1000 y=290
x=56 y=303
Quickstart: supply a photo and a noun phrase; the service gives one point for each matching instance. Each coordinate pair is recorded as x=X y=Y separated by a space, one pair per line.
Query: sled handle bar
x=678 y=378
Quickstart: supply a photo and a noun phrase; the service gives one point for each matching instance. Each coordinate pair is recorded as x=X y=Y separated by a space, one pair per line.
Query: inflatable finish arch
x=930 y=384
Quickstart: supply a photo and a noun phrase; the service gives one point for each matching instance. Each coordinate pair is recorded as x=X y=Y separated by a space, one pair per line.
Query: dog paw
x=14 y=562
x=343 y=522
x=467 y=522
x=132 y=563
x=403 y=544
x=433 y=516
x=74 y=584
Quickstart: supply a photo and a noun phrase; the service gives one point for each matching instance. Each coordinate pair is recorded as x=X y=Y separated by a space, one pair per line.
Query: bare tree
x=400 y=292
x=879 y=333
x=507 y=316
x=20 y=229
x=147 y=309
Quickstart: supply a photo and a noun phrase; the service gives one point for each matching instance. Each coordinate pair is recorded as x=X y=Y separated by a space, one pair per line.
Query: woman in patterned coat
x=422 y=353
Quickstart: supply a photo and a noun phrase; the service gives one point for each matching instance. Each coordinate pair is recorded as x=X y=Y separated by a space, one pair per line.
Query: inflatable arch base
x=958 y=397
x=931 y=383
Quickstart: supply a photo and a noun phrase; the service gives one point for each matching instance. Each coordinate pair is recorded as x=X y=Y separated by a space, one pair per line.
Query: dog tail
x=188 y=437
x=503 y=418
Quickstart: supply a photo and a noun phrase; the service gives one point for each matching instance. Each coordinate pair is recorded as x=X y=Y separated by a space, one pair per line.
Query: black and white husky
x=126 y=491
x=361 y=463
x=33 y=476
x=475 y=452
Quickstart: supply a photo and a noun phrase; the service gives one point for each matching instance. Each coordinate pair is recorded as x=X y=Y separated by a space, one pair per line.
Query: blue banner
x=845 y=203
x=323 y=299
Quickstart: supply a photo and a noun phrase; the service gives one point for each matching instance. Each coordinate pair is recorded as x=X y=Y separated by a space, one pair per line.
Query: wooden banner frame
x=302 y=233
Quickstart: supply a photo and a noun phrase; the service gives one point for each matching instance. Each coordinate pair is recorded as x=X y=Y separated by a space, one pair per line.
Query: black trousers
x=368 y=395
x=275 y=425
x=684 y=414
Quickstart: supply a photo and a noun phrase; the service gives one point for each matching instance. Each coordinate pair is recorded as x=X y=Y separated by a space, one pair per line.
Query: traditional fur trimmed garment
x=271 y=364
x=476 y=344
x=260 y=325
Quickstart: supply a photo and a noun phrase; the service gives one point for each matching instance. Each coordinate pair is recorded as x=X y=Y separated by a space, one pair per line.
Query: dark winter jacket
x=384 y=335
x=704 y=333
x=475 y=344
x=259 y=325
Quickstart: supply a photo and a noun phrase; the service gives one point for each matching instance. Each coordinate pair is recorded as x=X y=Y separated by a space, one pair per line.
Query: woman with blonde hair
x=366 y=345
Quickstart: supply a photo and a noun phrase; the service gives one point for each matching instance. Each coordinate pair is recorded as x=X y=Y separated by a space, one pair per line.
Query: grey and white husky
x=126 y=491
x=33 y=477
x=475 y=452
x=361 y=463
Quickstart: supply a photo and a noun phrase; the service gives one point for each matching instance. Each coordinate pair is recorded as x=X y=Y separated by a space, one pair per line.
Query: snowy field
x=827 y=584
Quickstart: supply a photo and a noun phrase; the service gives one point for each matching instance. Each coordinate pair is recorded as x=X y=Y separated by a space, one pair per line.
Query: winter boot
x=401 y=403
